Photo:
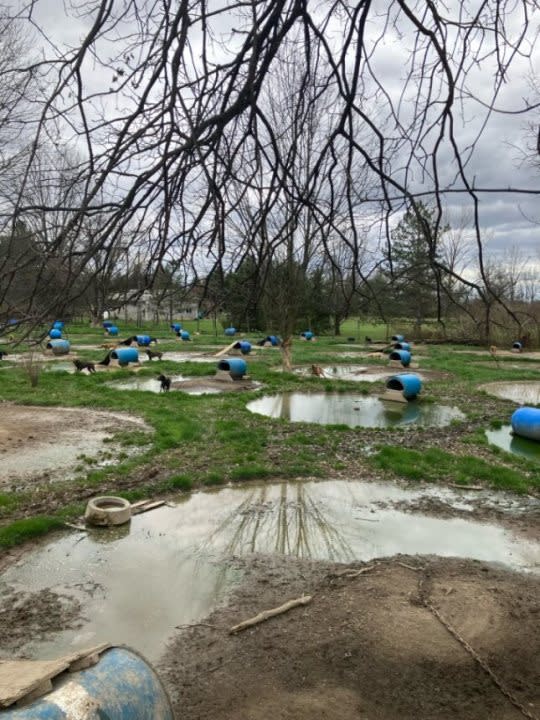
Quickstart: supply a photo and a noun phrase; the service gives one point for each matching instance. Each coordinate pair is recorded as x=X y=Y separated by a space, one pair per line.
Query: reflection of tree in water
x=292 y=523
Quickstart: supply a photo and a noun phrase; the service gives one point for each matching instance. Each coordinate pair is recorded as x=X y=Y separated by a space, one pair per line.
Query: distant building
x=148 y=309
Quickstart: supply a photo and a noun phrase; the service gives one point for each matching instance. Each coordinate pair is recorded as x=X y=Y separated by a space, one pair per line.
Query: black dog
x=151 y=355
x=81 y=365
x=165 y=383
x=3 y=354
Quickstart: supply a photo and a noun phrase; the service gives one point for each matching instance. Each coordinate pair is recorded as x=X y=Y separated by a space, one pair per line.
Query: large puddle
x=357 y=373
x=191 y=386
x=505 y=439
x=354 y=411
x=171 y=566
x=523 y=393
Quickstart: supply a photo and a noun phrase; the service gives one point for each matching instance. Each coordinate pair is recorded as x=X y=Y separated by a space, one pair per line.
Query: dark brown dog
x=165 y=383
x=81 y=365
x=152 y=354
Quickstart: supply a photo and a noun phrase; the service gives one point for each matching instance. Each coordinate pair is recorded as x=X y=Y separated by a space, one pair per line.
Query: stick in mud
x=267 y=614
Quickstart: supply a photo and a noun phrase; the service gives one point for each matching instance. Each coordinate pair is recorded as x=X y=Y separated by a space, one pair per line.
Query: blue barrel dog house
x=58 y=325
x=176 y=327
x=185 y=336
x=126 y=355
x=236 y=367
x=402 y=346
x=398 y=338
x=408 y=384
x=403 y=356
x=244 y=346
x=112 y=330
x=58 y=347
x=121 y=685
x=307 y=335
x=55 y=333
x=230 y=331
x=526 y=423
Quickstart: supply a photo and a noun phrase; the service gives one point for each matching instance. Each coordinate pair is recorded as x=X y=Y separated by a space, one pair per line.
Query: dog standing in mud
x=154 y=354
x=165 y=385
x=81 y=365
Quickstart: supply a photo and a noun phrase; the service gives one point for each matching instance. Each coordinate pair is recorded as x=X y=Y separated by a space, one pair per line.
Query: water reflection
x=523 y=393
x=505 y=439
x=354 y=411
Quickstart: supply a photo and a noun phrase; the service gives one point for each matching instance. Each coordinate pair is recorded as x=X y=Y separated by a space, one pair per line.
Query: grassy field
x=213 y=439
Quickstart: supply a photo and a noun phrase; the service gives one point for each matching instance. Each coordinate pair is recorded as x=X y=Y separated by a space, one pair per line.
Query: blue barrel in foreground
x=185 y=336
x=526 y=423
x=143 y=340
x=55 y=334
x=58 y=347
x=124 y=356
x=403 y=356
x=236 y=367
x=244 y=346
x=398 y=338
x=408 y=384
x=230 y=331
x=122 y=685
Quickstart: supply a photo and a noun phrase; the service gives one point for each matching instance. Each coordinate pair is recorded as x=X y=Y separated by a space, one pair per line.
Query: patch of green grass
x=496 y=424
x=213 y=478
x=179 y=482
x=433 y=464
x=250 y=472
x=21 y=530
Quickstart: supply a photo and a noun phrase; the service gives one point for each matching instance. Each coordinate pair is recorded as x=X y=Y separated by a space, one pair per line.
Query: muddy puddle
x=356 y=373
x=506 y=440
x=51 y=442
x=354 y=411
x=191 y=386
x=174 y=565
x=523 y=393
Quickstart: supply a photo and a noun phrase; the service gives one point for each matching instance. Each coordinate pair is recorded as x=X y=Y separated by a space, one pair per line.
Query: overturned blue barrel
x=112 y=330
x=517 y=346
x=398 y=338
x=176 y=327
x=404 y=357
x=107 y=324
x=526 y=423
x=307 y=335
x=244 y=346
x=274 y=340
x=58 y=347
x=125 y=355
x=185 y=336
x=402 y=346
x=122 y=685
x=230 y=331
x=58 y=325
x=408 y=384
x=143 y=340
x=236 y=367
x=55 y=334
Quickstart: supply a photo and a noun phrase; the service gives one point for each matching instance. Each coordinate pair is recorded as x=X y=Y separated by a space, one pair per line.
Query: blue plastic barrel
x=404 y=357
x=121 y=686
x=176 y=327
x=236 y=367
x=398 y=338
x=517 y=346
x=58 y=325
x=244 y=346
x=143 y=340
x=107 y=324
x=274 y=340
x=308 y=335
x=408 y=384
x=184 y=335
x=112 y=330
x=59 y=347
x=402 y=346
x=230 y=331
x=526 y=423
x=125 y=355
x=55 y=334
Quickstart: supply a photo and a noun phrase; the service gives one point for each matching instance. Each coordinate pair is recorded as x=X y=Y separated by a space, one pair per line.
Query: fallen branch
x=353 y=573
x=267 y=614
x=466 y=487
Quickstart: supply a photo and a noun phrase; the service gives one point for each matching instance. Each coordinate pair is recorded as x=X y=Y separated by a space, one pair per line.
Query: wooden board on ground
x=25 y=680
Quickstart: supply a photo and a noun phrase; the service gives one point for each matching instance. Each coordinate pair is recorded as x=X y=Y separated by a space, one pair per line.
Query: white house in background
x=147 y=309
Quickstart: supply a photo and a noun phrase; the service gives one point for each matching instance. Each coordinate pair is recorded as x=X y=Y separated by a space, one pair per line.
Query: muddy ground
x=367 y=646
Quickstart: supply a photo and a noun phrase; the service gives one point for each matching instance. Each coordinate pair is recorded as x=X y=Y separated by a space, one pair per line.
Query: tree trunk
x=286 y=353
x=337 y=325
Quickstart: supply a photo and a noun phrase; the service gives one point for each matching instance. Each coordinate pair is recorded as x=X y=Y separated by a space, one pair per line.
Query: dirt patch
x=366 y=647
x=37 y=442
x=35 y=616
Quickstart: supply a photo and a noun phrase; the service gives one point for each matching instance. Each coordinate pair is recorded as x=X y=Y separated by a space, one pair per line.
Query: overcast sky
x=497 y=162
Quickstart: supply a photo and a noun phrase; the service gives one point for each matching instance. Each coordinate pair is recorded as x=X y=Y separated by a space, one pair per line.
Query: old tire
x=108 y=510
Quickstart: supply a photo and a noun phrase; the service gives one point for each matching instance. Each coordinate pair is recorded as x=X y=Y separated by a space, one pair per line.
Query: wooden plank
x=148 y=506
x=226 y=350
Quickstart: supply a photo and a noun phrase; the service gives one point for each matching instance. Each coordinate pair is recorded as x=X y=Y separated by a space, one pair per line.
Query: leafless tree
x=164 y=100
